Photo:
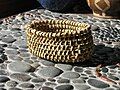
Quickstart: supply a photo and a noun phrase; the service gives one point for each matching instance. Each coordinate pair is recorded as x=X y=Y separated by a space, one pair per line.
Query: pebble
x=3 y=45
x=32 y=74
x=64 y=87
x=97 y=83
x=80 y=80
x=20 y=77
x=82 y=87
x=47 y=63
x=19 y=67
x=116 y=87
x=14 y=89
x=38 y=80
x=2 y=85
x=1 y=50
x=8 y=39
x=27 y=60
x=21 y=50
x=51 y=79
x=70 y=75
x=113 y=77
x=11 y=83
x=1 y=60
x=18 y=34
x=49 y=71
x=20 y=43
x=65 y=67
x=63 y=81
x=3 y=66
x=13 y=52
x=2 y=89
x=6 y=33
x=109 y=89
x=78 y=69
x=25 y=54
x=104 y=69
x=3 y=79
x=38 y=86
x=46 y=88
x=2 y=36
x=3 y=57
x=52 y=84
x=112 y=66
x=12 y=47
x=94 y=27
x=88 y=72
x=26 y=85
x=15 y=57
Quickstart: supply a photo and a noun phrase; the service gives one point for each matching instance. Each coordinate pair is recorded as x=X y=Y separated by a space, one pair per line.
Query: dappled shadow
x=101 y=55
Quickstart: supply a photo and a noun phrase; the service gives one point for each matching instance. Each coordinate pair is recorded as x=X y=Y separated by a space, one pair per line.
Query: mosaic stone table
x=20 y=70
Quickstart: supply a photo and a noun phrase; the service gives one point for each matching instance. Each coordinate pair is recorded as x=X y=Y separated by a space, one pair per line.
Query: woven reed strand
x=60 y=40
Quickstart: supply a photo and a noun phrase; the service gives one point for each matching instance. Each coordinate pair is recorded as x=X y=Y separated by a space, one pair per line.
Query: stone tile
x=3 y=79
x=97 y=83
x=8 y=39
x=38 y=80
x=26 y=85
x=46 y=88
x=11 y=83
x=47 y=63
x=82 y=87
x=20 y=77
x=64 y=87
x=19 y=67
x=49 y=71
x=65 y=67
x=70 y=75
x=63 y=81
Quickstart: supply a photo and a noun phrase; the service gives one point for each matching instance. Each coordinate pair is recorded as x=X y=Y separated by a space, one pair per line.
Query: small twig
x=107 y=79
x=97 y=71
x=98 y=74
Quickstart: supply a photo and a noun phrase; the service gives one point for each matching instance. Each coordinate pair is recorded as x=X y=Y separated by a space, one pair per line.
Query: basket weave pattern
x=60 y=40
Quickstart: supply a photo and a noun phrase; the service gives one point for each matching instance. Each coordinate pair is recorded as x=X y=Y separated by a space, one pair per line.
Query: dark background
x=11 y=7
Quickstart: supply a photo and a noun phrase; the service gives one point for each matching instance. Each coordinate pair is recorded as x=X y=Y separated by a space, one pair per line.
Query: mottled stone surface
x=21 y=70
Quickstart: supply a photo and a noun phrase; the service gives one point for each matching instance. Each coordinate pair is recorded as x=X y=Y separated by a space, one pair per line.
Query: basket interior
x=55 y=26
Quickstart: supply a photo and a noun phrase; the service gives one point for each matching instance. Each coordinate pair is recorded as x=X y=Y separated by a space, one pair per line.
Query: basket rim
x=78 y=25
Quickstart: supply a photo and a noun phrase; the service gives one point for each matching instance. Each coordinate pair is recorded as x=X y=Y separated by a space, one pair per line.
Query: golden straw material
x=60 y=40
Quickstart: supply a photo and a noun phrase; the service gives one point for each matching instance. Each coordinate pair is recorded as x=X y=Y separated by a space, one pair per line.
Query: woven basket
x=60 y=40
